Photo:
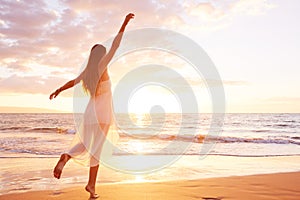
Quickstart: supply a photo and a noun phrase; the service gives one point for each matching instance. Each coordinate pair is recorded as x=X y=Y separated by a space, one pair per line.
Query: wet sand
x=279 y=186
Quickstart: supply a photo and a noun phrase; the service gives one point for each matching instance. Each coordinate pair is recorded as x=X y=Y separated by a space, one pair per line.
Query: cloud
x=14 y=65
x=206 y=11
x=33 y=27
x=213 y=14
x=24 y=19
x=217 y=9
x=251 y=7
x=31 y=84
x=59 y=34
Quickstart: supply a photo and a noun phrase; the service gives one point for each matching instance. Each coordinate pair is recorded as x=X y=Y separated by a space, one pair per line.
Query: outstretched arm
x=68 y=85
x=116 y=43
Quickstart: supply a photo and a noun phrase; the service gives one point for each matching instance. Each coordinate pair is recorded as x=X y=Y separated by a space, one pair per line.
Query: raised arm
x=68 y=85
x=116 y=43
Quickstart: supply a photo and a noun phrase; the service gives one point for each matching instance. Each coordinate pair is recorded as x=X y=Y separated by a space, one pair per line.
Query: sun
x=152 y=95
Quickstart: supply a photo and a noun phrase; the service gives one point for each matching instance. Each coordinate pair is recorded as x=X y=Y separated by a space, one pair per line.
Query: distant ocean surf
x=245 y=135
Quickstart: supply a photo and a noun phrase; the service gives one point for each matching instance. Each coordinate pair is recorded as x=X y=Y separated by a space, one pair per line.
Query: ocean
x=26 y=135
x=150 y=148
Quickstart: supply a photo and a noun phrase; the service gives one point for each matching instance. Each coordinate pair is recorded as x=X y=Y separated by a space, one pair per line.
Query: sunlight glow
x=136 y=146
x=145 y=98
x=141 y=119
x=139 y=178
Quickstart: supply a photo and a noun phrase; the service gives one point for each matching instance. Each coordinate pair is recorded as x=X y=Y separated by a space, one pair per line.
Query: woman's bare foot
x=91 y=190
x=60 y=165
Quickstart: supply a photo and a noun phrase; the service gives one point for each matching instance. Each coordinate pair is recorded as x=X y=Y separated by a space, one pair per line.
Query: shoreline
x=263 y=186
x=21 y=175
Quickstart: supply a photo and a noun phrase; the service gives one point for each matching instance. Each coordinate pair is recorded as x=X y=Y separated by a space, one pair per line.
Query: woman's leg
x=77 y=149
x=92 y=181
x=94 y=170
x=60 y=165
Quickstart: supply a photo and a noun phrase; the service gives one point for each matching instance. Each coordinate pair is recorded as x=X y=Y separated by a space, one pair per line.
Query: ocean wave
x=27 y=151
x=171 y=137
x=207 y=154
x=39 y=129
x=261 y=131
x=215 y=139
x=251 y=140
x=224 y=139
x=52 y=130
x=14 y=128
x=158 y=154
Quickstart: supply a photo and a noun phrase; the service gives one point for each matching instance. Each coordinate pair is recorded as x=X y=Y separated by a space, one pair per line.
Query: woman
x=98 y=114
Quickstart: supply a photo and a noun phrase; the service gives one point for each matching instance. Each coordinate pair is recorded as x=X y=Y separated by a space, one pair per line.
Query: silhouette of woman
x=87 y=145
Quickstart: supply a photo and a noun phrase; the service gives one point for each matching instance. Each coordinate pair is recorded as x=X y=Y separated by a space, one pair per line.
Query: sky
x=254 y=45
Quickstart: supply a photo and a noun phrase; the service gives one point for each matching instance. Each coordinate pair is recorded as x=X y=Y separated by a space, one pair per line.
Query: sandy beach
x=267 y=186
x=230 y=178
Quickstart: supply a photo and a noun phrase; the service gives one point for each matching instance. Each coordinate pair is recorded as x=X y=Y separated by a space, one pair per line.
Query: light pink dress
x=90 y=138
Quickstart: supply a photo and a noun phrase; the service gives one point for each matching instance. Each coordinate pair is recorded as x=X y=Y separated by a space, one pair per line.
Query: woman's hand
x=129 y=17
x=54 y=94
x=116 y=43
x=66 y=86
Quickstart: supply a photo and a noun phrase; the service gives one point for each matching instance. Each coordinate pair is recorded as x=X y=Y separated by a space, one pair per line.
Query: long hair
x=91 y=74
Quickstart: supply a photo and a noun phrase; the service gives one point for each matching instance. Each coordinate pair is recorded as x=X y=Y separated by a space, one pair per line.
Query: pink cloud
x=24 y=19
x=214 y=15
x=30 y=29
x=31 y=84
